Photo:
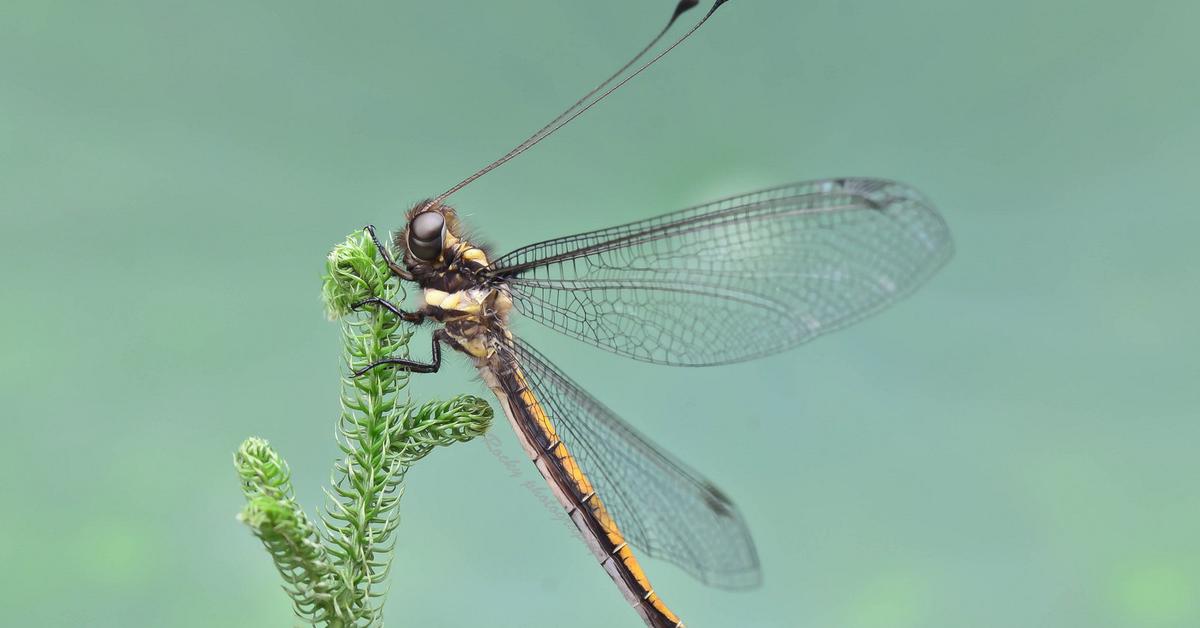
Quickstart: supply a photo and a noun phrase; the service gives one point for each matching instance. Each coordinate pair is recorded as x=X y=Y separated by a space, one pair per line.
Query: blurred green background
x=1014 y=446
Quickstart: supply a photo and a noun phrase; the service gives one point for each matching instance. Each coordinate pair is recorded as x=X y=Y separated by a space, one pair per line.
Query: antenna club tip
x=683 y=7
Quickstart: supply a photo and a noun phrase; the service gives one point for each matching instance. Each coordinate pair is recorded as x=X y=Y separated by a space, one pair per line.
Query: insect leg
x=411 y=366
x=417 y=317
x=396 y=269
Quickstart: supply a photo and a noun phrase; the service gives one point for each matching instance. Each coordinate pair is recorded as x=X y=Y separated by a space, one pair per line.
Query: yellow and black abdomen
x=574 y=491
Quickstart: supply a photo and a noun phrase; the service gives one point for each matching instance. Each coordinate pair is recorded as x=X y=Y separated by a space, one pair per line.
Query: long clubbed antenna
x=577 y=109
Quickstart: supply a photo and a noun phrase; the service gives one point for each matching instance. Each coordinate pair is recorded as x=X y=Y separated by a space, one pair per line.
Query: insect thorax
x=474 y=318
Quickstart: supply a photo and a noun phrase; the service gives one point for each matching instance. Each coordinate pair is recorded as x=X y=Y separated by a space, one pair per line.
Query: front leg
x=396 y=269
x=411 y=366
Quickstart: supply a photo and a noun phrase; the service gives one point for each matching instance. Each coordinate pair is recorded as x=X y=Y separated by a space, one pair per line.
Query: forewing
x=735 y=279
x=660 y=505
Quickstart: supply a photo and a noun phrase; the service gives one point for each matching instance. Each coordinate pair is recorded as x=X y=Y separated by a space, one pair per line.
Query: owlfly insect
x=724 y=282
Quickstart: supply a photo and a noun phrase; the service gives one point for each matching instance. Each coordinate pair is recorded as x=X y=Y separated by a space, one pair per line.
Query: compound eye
x=425 y=235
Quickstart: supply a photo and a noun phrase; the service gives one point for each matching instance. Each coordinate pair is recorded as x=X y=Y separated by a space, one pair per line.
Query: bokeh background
x=1014 y=446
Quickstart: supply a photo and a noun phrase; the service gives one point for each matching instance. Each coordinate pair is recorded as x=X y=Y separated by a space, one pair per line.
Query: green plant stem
x=336 y=576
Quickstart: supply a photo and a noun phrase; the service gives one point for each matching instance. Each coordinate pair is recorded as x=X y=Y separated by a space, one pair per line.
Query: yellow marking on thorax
x=465 y=305
x=466 y=301
x=463 y=250
x=476 y=346
x=475 y=255
x=449 y=241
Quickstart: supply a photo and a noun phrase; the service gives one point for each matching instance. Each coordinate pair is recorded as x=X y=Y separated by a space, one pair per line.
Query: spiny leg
x=417 y=317
x=396 y=269
x=411 y=366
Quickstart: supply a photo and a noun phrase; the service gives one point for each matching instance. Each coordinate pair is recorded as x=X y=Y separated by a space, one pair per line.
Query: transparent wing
x=660 y=505
x=734 y=279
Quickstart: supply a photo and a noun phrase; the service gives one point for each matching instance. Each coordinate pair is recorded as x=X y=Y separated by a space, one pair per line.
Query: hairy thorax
x=473 y=318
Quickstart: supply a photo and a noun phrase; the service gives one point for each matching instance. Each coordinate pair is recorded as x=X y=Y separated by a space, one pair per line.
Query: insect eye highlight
x=425 y=235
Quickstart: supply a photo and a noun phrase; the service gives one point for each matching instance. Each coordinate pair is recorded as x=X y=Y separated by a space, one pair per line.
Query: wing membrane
x=735 y=279
x=661 y=506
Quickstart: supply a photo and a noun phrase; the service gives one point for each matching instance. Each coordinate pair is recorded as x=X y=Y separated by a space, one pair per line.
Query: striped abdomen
x=575 y=492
